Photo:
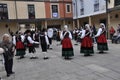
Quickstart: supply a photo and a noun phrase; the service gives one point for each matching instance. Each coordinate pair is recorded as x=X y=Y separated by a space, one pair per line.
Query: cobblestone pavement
x=97 y=67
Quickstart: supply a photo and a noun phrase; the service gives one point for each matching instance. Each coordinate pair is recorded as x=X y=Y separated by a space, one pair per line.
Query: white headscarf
x=103 y=25
x=88 y=26
x=66 y=27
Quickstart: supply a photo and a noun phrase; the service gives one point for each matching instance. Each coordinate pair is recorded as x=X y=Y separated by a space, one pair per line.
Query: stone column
x=45 y=24
x=90 y=21
x=78 y=23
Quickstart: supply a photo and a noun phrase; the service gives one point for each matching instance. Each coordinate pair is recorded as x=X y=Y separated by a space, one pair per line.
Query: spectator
x=8 y=54
x=112 y=31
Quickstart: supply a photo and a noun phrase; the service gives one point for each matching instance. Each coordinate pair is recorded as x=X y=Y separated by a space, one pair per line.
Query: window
x=3 y=11
x=31 y=11
x=54 y=11
x=82 y=7
x=96 y=5
x=117 y=2
x=68 y=8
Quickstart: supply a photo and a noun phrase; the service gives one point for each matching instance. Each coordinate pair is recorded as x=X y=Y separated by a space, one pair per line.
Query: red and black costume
x=67 y=48
x=87 y=44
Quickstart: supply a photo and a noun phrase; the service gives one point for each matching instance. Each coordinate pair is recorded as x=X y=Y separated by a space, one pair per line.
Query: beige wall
x=114 y=21
x=22 y=9
x=96 y=19
x=3 y=29
x=11 y=9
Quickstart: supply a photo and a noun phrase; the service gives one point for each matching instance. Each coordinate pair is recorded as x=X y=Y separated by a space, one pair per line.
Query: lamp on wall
x=6 y=26
x=116 y=15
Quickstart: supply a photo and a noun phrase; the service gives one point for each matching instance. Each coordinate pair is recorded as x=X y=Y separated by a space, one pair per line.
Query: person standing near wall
x=112 y=31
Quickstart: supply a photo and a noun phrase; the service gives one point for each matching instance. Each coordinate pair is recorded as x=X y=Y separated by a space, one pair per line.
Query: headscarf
x=66 y=27
x=103 y=25
x=88 y=26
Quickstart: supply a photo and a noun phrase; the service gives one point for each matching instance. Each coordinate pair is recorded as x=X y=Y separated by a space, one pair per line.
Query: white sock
x=45 y=54
x=32 y=54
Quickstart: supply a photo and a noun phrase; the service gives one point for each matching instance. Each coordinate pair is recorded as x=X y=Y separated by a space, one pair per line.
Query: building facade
x=89 y=11
x=114 y=13
x=34 y=14
x=95 y=12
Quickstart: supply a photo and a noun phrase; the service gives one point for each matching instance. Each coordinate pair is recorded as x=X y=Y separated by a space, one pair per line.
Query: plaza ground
x=97 y=67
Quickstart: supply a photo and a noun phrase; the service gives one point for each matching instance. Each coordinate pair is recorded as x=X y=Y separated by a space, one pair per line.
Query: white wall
x=88 y=8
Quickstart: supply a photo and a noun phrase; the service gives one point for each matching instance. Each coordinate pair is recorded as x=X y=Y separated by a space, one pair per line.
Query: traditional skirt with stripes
x=20 y=49
x=87 y=45
x=102 y=42
x=67 y=48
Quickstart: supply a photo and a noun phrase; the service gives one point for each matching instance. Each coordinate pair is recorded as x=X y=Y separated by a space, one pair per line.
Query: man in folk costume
x=44 y=43
x=31 y=46
x=67 y=48
x=50 y=35
x=36 y=38
x=101 y=39
x=86 y=43
x=18 y=42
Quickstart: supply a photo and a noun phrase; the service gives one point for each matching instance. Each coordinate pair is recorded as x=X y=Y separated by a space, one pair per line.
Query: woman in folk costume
x=86 y=43
x=67 y=48
x=101 y=39
x=44 y=43
x=18 y=42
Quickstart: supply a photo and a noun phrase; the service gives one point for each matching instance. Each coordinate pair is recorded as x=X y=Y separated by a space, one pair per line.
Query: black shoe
x=86 y=55
x=67 y=58
x=22 y=57
x=46 y=58
x=8 y=75
x=34 y=58
x=101 y=52
x=12 y=73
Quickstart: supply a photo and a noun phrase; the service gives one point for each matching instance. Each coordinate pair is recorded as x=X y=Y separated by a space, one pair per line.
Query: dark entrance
x=54 y=26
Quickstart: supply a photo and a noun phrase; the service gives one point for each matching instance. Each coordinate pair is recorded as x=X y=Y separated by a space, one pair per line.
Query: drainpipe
x=107 y=17
x=76 y=12
x=16 y=14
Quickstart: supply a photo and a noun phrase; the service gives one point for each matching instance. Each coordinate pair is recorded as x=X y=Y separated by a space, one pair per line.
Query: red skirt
x=19 y=45
x=87 y=42
x=102 y=39
x=66 y=43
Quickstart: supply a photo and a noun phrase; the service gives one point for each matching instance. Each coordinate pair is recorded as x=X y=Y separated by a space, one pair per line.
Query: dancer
x=44 y=43
x=101 y=39
x=18 y=41
x=86 y=43
x=50 y=36
x=67 y=48
x=30 y=44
